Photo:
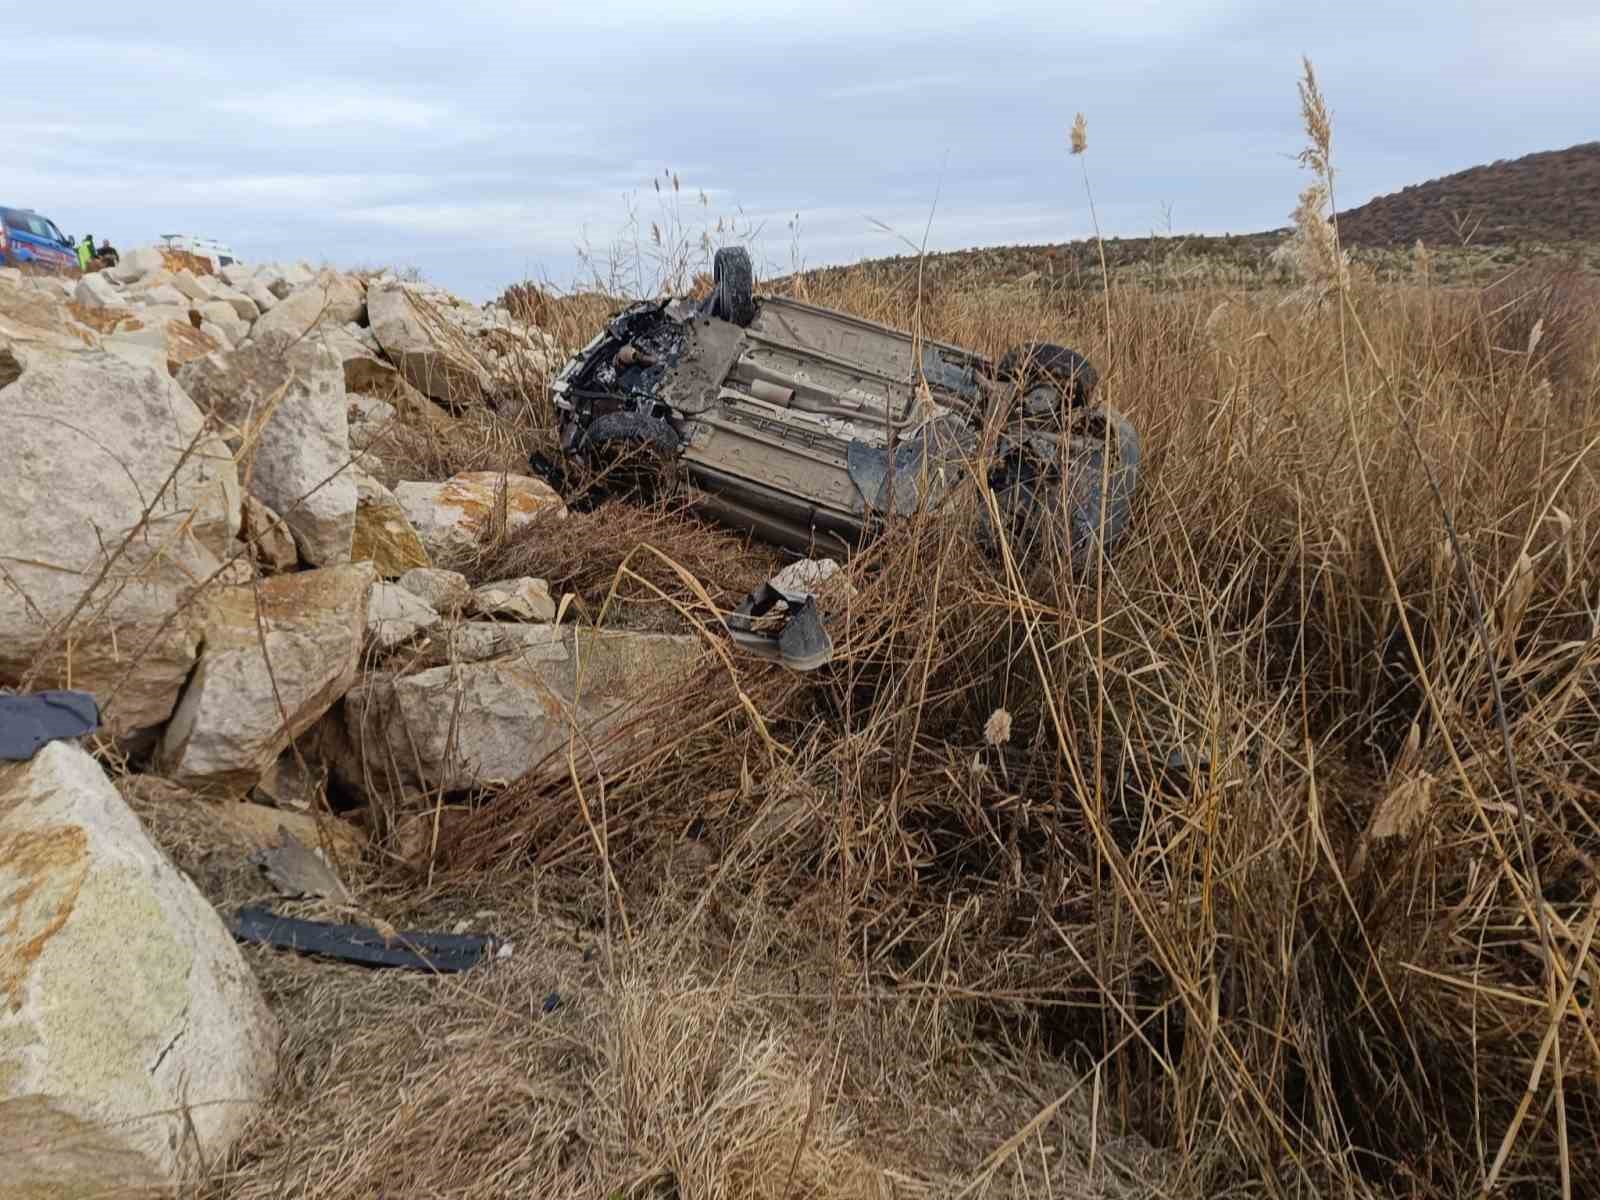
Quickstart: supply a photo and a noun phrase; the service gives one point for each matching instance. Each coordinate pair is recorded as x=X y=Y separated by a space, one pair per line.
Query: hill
x=1478 y=222
x=1549 y=197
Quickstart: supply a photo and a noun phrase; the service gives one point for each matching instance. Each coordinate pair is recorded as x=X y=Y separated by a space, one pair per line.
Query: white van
x=218 y=254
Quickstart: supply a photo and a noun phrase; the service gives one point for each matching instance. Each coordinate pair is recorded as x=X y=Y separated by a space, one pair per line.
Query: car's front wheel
x=630 y=454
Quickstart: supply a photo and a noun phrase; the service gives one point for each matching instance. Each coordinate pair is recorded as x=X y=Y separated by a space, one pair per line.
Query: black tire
x=1044 y=364
x=734 y=278
x=632 y=454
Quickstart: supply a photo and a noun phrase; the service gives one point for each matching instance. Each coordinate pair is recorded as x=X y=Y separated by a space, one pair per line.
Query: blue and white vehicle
x=30 y=240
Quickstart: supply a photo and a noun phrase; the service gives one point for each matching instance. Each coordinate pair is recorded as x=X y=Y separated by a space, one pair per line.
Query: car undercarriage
x=811 y=427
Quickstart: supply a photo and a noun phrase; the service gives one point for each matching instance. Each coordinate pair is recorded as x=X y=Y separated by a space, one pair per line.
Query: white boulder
x=164 y=295
x=246 y=309
x=278 y=654
x=134 y=1043
x=96 y=291
x=260 y=296
x=194 y=287
x=136 y=264
x=478 y=641
x=290 y=402
x=519 y=599
x=117 y=505
x=237 y=275
x=395 y=615
x=431 y=355
x=164 y=335
x=225 y=317
x=487 y=723
x=453 y=517
x=330 y=301
x=445 y=591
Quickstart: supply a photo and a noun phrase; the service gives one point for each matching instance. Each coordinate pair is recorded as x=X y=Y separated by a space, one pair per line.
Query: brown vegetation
x=1269 y=845
x=1312 y=961
x=1551 y=197
x=1328 y=950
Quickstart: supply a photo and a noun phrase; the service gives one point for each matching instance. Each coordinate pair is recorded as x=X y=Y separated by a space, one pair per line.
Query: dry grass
x=1254 y=869
x=704 y=1058
x=1347 y=949
x=582 y=552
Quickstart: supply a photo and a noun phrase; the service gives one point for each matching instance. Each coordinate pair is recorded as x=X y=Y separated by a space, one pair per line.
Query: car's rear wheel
x=734 y=280
x=1035 y=365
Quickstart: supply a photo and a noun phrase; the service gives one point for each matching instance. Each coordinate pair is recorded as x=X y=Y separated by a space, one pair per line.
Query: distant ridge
x=1550 y=197
x=1479 y=222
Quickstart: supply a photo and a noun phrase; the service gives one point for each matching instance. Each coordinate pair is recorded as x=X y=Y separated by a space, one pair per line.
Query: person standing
x=85 y=251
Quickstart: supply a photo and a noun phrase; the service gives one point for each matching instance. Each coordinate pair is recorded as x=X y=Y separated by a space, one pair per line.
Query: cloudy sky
x=485 y=141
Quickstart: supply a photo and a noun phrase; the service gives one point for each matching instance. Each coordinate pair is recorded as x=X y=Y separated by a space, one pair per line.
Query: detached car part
x=799 y=643
x=442 y=952
x=811 y=428
x=28 y=723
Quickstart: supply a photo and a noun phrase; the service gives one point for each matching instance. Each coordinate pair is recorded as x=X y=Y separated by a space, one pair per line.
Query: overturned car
x=810 y=428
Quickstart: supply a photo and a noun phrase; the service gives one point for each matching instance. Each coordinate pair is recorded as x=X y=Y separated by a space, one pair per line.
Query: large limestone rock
x=162 y=333
x=289 y=403
x=237 y=275
x=243 y=707
x=395 y=615
x=136 y=264
x=452 y=517
x=246 y=309
x=134 y=1043
x=226 y=338
x=487 y=723
x=444 y=591
x=383 y=536
x=479 y=641
x=329 y=301
x=96 y=291
x=516 y=599
x=296 y=275
x=225 y=317
x=431 y=355
x=200 y=290
x=260 y=296
x=94 y=593
x=163 y=295
x=271 y=544
x=31 y=318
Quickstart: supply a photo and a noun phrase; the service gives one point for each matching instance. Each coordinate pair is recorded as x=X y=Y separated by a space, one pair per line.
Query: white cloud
x=72 y=51
x=308 y=106
x=896 y=87
x=246 y=192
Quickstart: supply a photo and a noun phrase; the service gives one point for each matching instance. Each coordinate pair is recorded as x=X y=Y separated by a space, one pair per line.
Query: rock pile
x=192 y=531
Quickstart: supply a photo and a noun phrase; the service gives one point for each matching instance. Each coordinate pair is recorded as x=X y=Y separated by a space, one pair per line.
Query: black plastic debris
x=29 y=723
x=443 y=952
x=551 y=1002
